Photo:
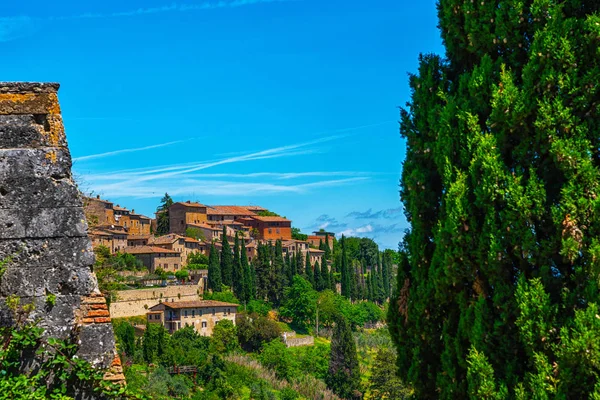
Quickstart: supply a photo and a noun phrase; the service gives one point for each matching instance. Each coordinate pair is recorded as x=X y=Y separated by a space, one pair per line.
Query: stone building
x=112 y=237
x=98 y=211
x=183 y=214
x=316 y=255
x=184 y=245
x=203 y=315
x=269 y=228
x=155 y=258
x=321 y=237
x=294 y=246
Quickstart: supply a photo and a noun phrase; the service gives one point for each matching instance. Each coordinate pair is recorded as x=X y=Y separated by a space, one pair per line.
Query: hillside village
x=192 y=228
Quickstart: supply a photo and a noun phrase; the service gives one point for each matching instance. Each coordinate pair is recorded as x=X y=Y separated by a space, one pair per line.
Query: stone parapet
x=44 y=246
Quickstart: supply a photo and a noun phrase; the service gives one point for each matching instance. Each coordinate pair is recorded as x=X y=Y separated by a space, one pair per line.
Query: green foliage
x=226 y=260
x=267 y=213
x=214 y=270
x=182 y=274
x=344 y=374
x=384 y=383
x=50 y=300
x=225 y=295
x=259 y=307
x=254 y=330
x=300 y=302
x=125 y=335
x=224 y=338
x=162 y=222
x=197 y=258
x=154 y=342
x=274 y=355
x=195 y=233
x=298 y=235
x=500 y=187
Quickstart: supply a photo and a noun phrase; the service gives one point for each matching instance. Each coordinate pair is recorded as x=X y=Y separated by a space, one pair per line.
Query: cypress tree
x=345 y=270
x=278 y=278
x=317 y=277
x=163 y=225
x=238 y=272
x=308 y=273
x=214 y=270
x=299 y=263
x=293 y=266
x=247 y=274
x=344 y=374
x=325 y=278
x=500 y=185
x=262 y=268
x=226 y=260
x=385 y=276
x=289 y=272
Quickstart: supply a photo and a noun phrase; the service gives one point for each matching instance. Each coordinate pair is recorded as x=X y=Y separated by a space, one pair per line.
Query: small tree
x=224 y=338
x=300 y=302
x=384 y=382
x=344 y=373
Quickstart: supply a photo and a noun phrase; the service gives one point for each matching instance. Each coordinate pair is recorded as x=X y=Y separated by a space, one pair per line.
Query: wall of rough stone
x=43 y=233
x=300 y=341
x=131 y=303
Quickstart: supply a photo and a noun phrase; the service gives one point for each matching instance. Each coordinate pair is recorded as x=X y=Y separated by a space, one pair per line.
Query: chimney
x=188 y=202
x=98 y=196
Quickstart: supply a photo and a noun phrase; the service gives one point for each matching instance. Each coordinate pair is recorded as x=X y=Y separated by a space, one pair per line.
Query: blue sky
x=291 y=105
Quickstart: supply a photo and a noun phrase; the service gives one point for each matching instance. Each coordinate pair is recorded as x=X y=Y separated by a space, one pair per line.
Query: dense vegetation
x=498 y=292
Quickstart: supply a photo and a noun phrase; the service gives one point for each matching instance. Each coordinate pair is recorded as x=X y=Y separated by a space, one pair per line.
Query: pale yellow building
x=203 y=315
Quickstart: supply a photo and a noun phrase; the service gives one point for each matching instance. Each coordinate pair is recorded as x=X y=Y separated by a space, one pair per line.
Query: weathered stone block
x=29 y=103
x=47 y=252
x=29 y=282
x=31 y=222
x=97 y=343
x=45 y=192
x=31 y=131
x=44 y=162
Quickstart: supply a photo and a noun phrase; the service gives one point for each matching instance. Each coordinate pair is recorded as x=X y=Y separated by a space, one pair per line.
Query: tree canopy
x=498 y=291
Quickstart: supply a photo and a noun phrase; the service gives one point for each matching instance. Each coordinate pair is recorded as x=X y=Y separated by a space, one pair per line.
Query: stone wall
x=43 y=233
x=131 y=303
x=300 y=341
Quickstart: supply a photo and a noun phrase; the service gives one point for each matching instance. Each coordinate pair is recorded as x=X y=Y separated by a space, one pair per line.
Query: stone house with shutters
x=203 y=315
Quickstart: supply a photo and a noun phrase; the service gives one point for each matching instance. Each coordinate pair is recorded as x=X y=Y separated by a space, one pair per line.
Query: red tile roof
x=270 y=219
x=190 y=204
x=228 y=210
x=147 y=250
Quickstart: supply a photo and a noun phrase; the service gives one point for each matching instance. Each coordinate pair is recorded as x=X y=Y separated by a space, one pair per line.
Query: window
x=185 y=312
x=228 y=311
x=193 y=313
x=200 y=312
x=214 y=312
x=270 y=230
x=277 y=230
x=204 y=324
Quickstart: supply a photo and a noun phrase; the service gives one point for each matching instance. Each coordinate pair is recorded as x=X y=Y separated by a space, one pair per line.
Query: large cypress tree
x=214 y=270
x=226 y=260
x=238 y=272
x=345 y=270
x=344 y=373
x=247 y=273
x=499 y=295
x=308 y=273
x=318 y=283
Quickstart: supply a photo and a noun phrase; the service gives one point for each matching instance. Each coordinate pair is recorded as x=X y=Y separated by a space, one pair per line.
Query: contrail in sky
x=116 y=152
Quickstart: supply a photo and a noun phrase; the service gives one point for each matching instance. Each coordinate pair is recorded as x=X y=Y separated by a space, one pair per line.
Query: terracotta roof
x=316 y=251
x=147 y=250
x=166 y=239
x=190 y=204
x=255 y=208
x=99 y=233
x=271 y=219
x=195 y=304
x=115 y=232
x=97 y=199
x=192 y=240
x=228 y=210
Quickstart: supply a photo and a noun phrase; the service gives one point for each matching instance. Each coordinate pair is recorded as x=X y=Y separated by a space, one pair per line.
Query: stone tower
x=44 y=245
